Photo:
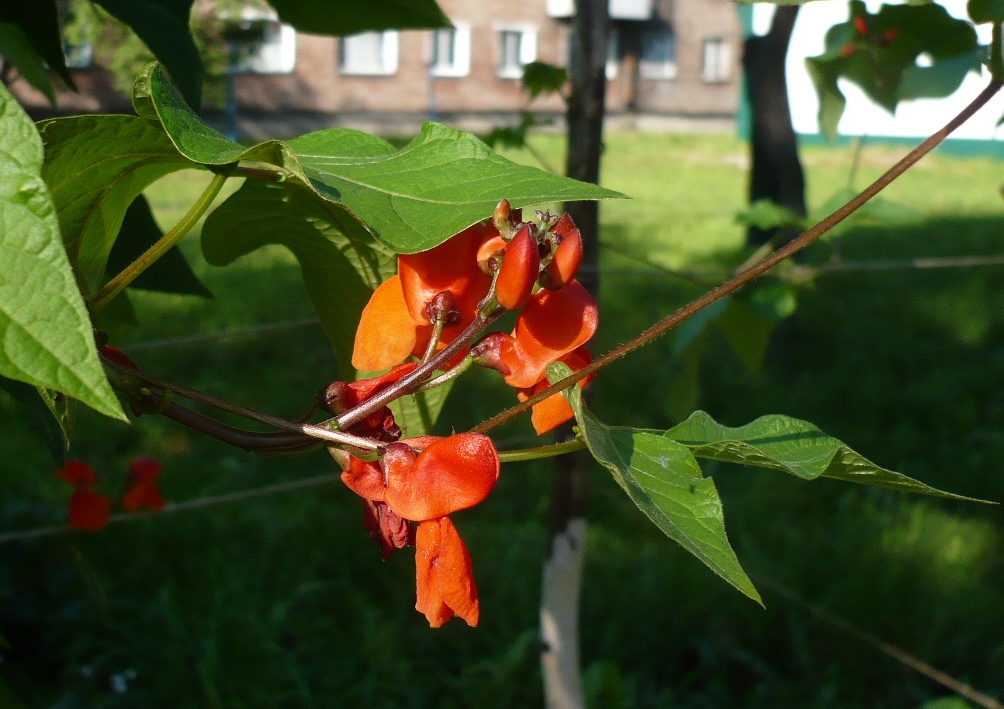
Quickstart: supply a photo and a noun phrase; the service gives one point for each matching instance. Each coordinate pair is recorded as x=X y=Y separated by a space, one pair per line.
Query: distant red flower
x=87 y=509
x=143 y=489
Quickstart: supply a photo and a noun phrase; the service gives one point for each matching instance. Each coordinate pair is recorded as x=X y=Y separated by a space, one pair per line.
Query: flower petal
x=77 y=472
x=386 y=334
x=452 y=266
x=365 y=478
x=551 y=325
x=89 y=510
x=444 y=578
x=451 y=474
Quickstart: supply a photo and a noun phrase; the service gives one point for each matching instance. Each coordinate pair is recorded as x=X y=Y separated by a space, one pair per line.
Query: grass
x=282 y=601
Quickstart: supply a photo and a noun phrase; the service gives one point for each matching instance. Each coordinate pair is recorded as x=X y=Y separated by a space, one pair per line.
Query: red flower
x=443 y=575
x=424 y=480
x=554 y=410
x=551 y=328
x=88 y=510
x=143 y=489
x=396 y=324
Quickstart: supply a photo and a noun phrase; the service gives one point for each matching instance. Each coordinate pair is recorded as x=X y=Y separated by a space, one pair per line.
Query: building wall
x=317 y=85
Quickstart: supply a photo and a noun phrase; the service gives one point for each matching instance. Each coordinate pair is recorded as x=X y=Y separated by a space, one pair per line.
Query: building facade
x=667 y=58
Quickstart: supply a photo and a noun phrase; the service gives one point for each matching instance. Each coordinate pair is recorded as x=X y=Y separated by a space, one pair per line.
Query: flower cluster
x=91 y=511
x=438 y=293
x=410 y=487
x=409 y=491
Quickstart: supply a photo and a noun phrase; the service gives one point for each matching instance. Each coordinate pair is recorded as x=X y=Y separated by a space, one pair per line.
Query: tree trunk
x=775 y=171
x=562 y=575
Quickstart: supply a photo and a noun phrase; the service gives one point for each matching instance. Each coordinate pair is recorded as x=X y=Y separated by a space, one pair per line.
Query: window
x=658 y=53
x=715 y=68
x=369 y=53
x=451 y=51
x=517 y=46
x=275 y=53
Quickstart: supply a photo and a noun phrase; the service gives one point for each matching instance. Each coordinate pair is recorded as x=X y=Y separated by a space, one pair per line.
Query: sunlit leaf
x=47 y=335
x=664 y=480
x=791 y=446
x=410 y=199
x=95 y=167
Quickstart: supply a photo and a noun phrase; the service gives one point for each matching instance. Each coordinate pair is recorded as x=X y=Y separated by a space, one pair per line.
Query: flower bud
x=520 y=267
x=565 y=261
x=503 y=215
x=443 y=306
x=488 y=352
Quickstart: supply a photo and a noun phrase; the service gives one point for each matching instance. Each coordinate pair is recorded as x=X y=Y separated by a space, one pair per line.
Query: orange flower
x=143 y=489
x=443 y=476
x=397 y=321
x=551 y=325
x=443 y=575
x=554 y=410
x=88 y=510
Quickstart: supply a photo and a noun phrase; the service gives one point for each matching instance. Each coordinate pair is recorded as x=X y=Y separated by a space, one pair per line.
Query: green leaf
x=540 y=77
x=47 y=339
x=344 y=17
x=260 y=214
x=766 y=215
x=410 y=199
x=879 y=53
x=791 y=446
x=981 y=11
x=163 y=25
x=39 y=416
x=417 y=414
x=441 y=183
x=168 y=274
x=664 y=480
x=95 y=167
x=39 y=24
x=15 y=48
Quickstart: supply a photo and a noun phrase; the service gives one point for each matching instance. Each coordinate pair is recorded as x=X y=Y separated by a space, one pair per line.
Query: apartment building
x=666 y=57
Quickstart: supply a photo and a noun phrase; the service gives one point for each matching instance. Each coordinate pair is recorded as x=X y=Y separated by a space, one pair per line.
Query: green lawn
x=282 y=601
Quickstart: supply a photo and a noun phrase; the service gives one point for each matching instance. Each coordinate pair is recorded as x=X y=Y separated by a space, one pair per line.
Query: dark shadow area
x=283 y=600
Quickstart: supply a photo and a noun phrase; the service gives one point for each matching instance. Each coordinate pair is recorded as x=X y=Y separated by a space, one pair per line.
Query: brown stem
x=411 y=383
x=309 y=431
x=741 y=279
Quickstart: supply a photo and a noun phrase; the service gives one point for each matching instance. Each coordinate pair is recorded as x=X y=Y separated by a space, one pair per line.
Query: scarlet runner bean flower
x=424 y=480
x=396 y=322
x=88 y=510
x=143 y=489
x=552 y=327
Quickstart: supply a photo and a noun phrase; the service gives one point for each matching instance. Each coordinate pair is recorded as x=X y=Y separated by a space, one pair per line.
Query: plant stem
x=449 y=375
x=541 y=452
x=411 y=383
x=116 y=285
x=307 y=431
x=794 y=246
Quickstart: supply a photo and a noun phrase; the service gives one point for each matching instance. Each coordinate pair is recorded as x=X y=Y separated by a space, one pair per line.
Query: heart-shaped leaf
x=410 y=199
x=47 y=335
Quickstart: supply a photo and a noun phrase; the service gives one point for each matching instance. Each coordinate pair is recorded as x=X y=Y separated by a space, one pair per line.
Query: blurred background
x=889 y=336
